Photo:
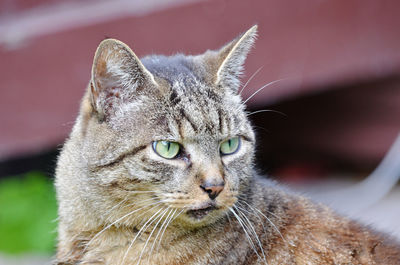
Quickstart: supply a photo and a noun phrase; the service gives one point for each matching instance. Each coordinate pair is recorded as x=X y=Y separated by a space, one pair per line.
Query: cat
x=159 y=169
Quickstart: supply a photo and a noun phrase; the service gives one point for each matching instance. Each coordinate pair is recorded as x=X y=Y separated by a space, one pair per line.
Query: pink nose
x=212 y=189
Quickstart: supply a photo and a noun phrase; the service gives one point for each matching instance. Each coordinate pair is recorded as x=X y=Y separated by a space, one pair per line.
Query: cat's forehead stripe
x=185 y=116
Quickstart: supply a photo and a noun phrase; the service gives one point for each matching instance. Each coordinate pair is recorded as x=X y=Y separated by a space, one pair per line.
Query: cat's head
x=166 y=135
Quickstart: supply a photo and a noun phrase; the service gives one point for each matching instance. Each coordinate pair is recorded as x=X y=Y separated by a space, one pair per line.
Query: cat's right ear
x=231 y=57
x=117 y=76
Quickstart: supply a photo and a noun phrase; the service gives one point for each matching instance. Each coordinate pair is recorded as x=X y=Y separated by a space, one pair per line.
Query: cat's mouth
x=200 y=213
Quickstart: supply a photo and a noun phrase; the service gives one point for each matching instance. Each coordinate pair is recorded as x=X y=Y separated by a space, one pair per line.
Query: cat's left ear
x=231 y=58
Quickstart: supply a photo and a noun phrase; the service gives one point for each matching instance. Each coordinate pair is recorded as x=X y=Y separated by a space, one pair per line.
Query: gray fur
x=117 y=197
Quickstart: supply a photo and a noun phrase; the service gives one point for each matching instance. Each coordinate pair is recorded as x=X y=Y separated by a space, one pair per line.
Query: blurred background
x=336 y=111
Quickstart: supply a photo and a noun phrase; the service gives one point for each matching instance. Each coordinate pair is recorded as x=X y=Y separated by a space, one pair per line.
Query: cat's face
x=166 y=135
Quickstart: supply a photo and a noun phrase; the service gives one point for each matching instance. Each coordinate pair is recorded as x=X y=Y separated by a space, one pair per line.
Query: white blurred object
x=43 y=20
x=358 y=197
x=374 y=201
x=25 y=259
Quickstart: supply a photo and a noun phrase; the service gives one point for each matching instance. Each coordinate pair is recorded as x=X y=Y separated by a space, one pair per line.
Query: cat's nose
x=212 y=189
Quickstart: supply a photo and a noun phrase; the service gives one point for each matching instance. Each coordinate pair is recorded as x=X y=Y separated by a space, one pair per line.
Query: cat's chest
x=141 y=254
x=123 y=250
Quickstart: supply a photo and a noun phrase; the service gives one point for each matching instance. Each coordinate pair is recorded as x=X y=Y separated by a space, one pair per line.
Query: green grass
x=28 y=211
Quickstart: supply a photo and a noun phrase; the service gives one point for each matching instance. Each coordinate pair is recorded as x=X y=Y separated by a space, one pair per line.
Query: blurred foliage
x=28 y=212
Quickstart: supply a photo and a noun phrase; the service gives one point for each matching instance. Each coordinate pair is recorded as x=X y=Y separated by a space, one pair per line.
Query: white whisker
x=133 y=204
x=254 y=232
x=255 y=209
x=142 y=229
x=116 y=221
x=165 y=228
x=272 y=223
x=109 y=212
x=245 y=231
x=152 y=231
x=143 y=213
x=251 y=77
x=266 y=110
x=171 y=220
x=142 y=191
x=261 y=88
x=255 y=214
x=159 y=231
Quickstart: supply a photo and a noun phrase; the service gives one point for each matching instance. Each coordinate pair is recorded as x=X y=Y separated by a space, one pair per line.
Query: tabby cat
x=159 y=169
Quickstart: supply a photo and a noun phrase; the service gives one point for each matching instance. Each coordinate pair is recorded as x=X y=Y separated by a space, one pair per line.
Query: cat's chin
x=202 y=216
x=199 y=214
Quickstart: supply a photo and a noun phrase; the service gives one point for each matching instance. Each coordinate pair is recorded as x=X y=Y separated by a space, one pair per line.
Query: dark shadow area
x=344 y=129
x=45 y=162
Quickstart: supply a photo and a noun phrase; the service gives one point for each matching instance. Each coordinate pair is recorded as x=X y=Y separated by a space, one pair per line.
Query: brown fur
x=117 y=197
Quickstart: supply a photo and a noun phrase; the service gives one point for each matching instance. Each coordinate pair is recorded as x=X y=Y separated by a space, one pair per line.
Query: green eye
x=230 y=146
x=166 y=149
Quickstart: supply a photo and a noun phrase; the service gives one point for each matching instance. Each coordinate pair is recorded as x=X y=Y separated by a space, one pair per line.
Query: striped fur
x=121 y=203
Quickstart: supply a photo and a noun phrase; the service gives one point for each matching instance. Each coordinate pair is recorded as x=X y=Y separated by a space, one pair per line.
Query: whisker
x=114 y=207
x=261 y=88
x=245 y=231
x=171 y=220
x=152 y=231
x=142 y=191
x=137 y=202
x=132 y=204
x=242 y=200
x=255 y=214
x=261 y=128
x=266 y=110
x=165 y=228
x=116 y=221
x=159 y=230
x=143 y=213
x=254 y=232
x=142 y=229
x=272 y=223
x=251 y=77
x=255 y=209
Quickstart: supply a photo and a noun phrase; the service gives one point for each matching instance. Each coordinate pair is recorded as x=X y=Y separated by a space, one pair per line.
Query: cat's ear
x=231 y=58
x=117 y=76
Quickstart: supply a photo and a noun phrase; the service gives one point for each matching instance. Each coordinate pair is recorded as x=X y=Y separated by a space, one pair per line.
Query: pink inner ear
x=110 y=98
x=105 y=95
x=112 y=92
